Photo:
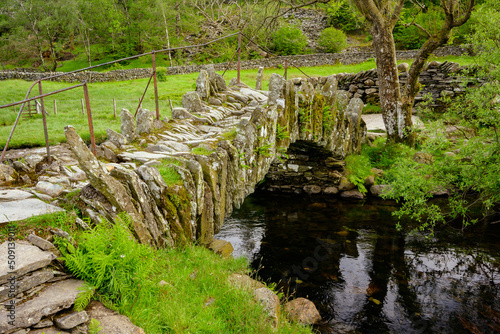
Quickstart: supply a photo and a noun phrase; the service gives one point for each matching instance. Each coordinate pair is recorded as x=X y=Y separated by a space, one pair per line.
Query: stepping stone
x=28 y=258
x=52 y=299
x=13 y=195
x=25 y=208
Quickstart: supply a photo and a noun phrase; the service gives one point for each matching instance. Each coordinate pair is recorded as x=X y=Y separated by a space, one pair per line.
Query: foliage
x=344 y=16
x=358 y=168
x=202 y=150
x=467 y=162
x=161 y=74
x=332 y=40
x=289 y=40
x=282 y=132
x=412 y=37
x=384 y=155
x=94 y=326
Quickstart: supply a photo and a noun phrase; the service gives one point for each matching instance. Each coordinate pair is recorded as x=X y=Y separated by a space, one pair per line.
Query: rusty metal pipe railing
x=143 y=94
x=44 y=117
x=22 y=108
x=157 y=104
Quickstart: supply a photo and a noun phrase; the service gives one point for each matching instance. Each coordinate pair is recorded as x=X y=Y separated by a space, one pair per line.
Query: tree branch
x=415 y=24
x=467 y=15
x=397 y=12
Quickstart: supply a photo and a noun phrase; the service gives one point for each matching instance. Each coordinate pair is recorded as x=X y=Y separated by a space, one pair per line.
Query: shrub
x=345 y=16
x=332 y=40
x=161 y=74
x=289 y=40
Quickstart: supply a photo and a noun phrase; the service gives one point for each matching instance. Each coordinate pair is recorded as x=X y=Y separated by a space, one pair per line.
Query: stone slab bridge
x=178 y=179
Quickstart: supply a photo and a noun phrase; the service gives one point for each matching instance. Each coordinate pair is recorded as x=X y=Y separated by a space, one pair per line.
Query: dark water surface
x=362 y=274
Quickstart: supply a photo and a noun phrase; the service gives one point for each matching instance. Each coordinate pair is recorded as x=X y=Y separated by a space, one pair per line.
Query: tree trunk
x=397 y=120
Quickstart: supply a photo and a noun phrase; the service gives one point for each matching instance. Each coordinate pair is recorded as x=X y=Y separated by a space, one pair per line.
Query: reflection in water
x=363 y=275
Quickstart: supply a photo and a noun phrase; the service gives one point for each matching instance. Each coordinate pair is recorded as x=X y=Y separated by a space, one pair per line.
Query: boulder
x=403 y=68
x=203 y=85
x=345 y=184
x=128 y=126
x=269 y=301
x=116 y=138
x=110 y=321
x=245 y=282
x=303 y=311
x=48 y=188
x=258 y=82
x=192 y=102
x=144 y=121
x=312 y=189
x=72 y=320
x=331 y=191
x=352 y=194
x=276 y=86
x=26 y=282
x=423 y=158
x=379 y=189
x=221 y=247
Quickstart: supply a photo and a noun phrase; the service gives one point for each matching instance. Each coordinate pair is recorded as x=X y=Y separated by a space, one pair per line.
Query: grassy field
x=29 y=132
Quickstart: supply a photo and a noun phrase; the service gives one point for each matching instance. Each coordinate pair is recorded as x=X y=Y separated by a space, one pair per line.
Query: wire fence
x=85 y=101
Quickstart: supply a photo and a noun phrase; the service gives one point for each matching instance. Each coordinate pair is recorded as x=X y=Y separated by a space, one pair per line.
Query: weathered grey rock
x=254 y=95
x=79 y=175
x=352 y=194
x=221 y=247
x=142 y=156
x=48 y=188
x=40 y=242
x=260 y=75
x=21 y=168
x=25 y=282
x=144 y=121
x=369 y=181
x=82 y=224
x=276 y=85
x=112 y=189
x=269 y=301
x=13 y=195
x=331 y=191
x=192 y=102
x=51 y=300
x=72 y=320
x=116 y=138
x=345 y=184
x=32 y=160
x=403 y=67
x=176 y=146
x=244 y=282
x=110 y=321
x=7 y=174
x=203 y=85
x=128 y=126
x=312 y=189
x=303 y=311
x=22 y=209
x=43 y=324
x=183 y=113
x=214 y=101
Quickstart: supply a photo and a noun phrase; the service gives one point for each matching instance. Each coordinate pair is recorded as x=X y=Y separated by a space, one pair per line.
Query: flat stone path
x=374 y=122
x=17 y=205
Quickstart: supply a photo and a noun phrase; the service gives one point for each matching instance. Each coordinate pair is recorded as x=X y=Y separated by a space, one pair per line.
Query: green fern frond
x=84 y=297
x=94 y=326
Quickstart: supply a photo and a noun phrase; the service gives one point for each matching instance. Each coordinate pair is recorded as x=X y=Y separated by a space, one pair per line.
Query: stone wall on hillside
x=301 y=61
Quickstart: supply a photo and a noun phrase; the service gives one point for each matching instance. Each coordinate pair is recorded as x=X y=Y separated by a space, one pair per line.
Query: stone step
x=52 y=299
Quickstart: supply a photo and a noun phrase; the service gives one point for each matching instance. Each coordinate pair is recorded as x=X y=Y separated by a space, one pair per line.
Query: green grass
x=29 y=132
x=168 y=173
x=194 y=295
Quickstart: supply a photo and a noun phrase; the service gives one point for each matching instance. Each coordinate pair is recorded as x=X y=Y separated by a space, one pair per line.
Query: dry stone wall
x=317 y=59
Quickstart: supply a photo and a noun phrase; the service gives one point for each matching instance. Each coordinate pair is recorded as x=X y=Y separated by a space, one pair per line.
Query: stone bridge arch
x=218 y=147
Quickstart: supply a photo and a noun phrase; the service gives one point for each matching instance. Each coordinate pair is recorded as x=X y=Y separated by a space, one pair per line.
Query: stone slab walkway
x=374 y=122
x=18 y=205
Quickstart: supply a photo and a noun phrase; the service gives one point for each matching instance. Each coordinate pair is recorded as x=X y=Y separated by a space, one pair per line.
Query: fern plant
x=358 y=169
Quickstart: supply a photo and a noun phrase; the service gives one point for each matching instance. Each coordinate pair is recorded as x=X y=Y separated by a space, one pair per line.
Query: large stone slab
x=52 y=299
x=13 y=195
x=26 y=256
x=26 y=208
x=110 y=321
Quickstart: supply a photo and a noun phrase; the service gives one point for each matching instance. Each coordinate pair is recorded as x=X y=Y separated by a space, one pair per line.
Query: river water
x=361 y=273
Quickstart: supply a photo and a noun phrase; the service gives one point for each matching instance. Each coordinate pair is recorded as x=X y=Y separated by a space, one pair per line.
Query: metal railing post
x=44 y=118
x=89 y=116
x=239 y=56
x=156 y=86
